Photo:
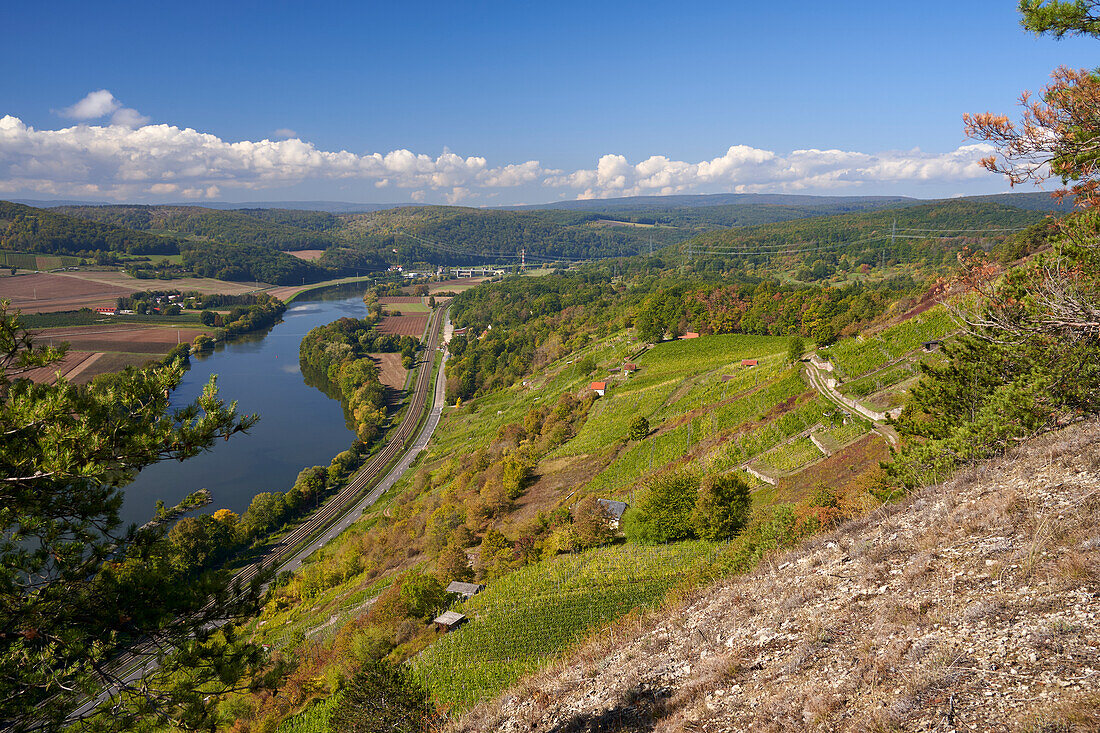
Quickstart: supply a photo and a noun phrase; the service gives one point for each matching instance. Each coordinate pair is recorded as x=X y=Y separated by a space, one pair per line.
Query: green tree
x=383 y=696
x=453 y=564
x=721 y=508
x=77 y=589
x=663 y=510
x=796 y=347
x=591 y=524
x=639 y=428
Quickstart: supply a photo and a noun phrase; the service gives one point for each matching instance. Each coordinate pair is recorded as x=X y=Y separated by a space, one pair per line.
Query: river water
x=299 y=426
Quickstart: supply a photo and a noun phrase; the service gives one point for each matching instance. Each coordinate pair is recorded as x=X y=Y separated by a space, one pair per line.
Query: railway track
x=135 y=663
x=335 y=507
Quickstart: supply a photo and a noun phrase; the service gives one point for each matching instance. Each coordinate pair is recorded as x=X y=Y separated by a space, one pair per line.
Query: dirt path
x=822 y=384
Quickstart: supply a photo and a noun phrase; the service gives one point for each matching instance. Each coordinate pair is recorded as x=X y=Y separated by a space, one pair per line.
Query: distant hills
x=213 y=239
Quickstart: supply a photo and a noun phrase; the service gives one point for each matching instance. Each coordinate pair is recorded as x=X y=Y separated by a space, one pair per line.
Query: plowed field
x=391 y=373
x=404 y=325
x=45 y=293
x=125 y=337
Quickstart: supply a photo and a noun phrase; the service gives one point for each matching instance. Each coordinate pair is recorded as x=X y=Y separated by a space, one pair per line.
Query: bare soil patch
x=45 y=293
x=404 y=325
x=48 y=374
x=399 y=299
x=456 y=285
x=391 y=373
x=105 y=363
x=134 y=339
x=309 y=255
x=198 y=284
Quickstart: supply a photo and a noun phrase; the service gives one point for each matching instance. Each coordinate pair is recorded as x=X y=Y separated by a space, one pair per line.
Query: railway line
x=287 y=552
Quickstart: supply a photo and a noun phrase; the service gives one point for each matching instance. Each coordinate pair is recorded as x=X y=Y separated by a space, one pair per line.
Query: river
x=299 y=426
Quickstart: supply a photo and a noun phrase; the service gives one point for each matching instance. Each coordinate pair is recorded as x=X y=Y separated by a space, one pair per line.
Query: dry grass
x=973 y=605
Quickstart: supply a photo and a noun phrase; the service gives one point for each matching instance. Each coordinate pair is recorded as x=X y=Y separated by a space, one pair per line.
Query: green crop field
x=531 y=616
x=881 y=379
x=853 y=357
x=674 y=377
x=793 y=455
x=314 y=719
x=22 y=260
x=835 y=438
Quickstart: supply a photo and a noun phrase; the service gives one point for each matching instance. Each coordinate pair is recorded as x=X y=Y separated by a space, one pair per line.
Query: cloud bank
x=127 y=158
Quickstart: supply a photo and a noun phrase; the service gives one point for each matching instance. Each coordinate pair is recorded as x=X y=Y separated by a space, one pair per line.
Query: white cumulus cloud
x=127 y=158
x=743 y=169
x=95 y=105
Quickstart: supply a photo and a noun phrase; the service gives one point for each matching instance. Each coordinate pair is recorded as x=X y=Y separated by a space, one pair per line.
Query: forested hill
x=274 y=228
x=926 y=234
x=456 y=235
x=28 y=229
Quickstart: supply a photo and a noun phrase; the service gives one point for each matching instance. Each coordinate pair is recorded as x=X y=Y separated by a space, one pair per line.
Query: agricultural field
x=672 y=377
x=836 y=437
x=309 y=255
x=405 y=305
x=531 y=616
x=123 y=337
x=404 y=325
x=789 y=457
x=856 y=357
x=30 y=261
x=455 y=286
x=314 y=719
x=391 y=373
x=47 y=293
x=131 y=284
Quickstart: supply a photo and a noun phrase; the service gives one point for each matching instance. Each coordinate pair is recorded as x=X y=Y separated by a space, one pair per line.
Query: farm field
x=405 y=305
x=32 y=261
x=122 y=337
x=455 y=286
x=198 y=284
x=529 y=617
x=404 y=325
x=391 y=373
x=309 y=255
x=855 y=357
x=47 y=293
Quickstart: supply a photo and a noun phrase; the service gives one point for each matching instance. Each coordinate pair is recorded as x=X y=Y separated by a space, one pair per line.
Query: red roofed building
x=628 y=368
x=749 y=362
x=598 y=387
x=108 y=311
x=690 y=335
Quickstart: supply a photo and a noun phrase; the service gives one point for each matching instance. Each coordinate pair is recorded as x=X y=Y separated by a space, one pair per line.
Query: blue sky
x=505 y=102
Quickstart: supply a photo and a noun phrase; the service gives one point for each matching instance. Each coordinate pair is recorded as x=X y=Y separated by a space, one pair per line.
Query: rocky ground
x=972 y=605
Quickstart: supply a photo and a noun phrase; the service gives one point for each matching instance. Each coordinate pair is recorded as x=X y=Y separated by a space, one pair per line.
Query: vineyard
x=855 y=357
x=835 y=438
x=531 y=616
x=314 y=719
x=790 y=456
x=27 y=261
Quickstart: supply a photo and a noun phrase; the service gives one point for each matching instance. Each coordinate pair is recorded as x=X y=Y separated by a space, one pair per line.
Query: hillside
x=974 y=604
x=909 y=240
x=27 y=229
x=274 y=228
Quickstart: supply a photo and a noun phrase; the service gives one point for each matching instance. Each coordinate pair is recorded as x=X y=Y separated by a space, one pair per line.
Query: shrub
x=721 y=508
x=663 y=512
x=382 y=696
x=639 y=428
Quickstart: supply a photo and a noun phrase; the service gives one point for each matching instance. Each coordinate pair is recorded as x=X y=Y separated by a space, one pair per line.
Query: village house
x=629 y=368
x=614 y=509
x=598 y=387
